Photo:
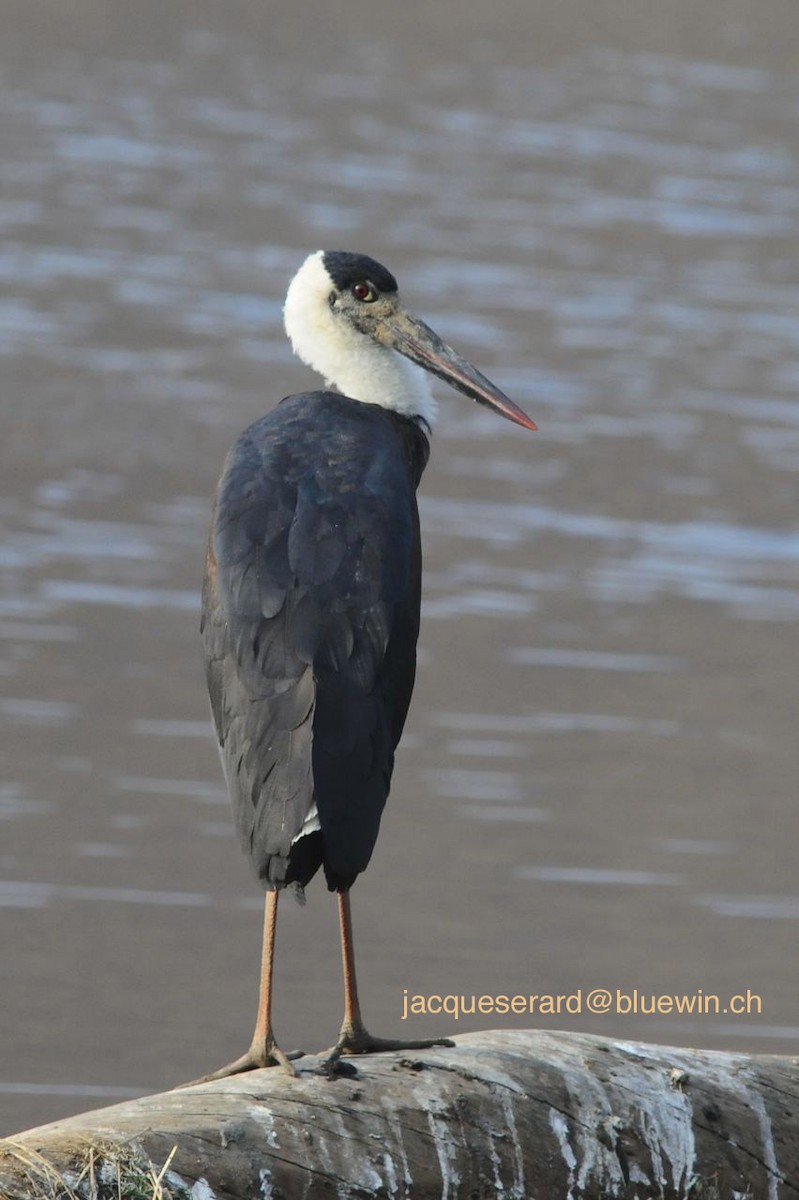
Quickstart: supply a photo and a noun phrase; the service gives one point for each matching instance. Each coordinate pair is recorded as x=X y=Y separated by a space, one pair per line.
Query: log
x=512 y=1114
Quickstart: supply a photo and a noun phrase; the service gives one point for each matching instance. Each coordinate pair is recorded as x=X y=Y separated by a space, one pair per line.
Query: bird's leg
x=354 y=1037
x=264 y=1050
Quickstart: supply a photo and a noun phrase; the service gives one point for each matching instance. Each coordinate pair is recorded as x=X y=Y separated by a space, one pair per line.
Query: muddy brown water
x=598 y=784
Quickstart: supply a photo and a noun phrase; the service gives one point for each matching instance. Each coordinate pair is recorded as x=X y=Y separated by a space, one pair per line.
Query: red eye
x=364 y=291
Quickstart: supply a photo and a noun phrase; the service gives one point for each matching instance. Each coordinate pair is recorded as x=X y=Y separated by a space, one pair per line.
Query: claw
x=255 y=1059
x=354 y=1040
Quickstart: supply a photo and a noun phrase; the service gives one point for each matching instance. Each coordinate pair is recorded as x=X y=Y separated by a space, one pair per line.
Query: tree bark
x=513 y=1114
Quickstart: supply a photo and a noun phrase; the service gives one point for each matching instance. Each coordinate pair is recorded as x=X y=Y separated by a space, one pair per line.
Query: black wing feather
x=310 y=621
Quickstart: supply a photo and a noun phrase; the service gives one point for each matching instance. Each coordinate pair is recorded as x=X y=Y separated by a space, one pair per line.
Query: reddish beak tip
x=519 y=417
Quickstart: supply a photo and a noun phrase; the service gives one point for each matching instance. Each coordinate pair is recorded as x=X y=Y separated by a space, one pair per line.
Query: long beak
x=410 y=336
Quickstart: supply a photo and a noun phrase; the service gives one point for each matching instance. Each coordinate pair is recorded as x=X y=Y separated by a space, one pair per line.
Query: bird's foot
x=264 y=1052
x=356 y=1039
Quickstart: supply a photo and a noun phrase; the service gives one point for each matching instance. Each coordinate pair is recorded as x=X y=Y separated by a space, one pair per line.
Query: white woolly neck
x=347 y=359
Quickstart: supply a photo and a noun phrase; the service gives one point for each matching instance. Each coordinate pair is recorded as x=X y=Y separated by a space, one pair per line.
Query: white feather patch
x=309 y=825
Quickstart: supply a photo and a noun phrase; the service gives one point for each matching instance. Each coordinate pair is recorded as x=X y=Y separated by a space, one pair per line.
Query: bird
x=311 y=601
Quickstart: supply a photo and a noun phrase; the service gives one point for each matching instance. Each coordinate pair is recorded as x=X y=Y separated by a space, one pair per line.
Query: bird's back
x=310 y=621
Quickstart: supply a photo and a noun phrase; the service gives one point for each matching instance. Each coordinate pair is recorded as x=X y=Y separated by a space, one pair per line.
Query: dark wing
x=311 y=610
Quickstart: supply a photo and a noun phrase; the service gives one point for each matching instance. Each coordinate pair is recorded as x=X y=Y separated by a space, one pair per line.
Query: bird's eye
x=364 y=291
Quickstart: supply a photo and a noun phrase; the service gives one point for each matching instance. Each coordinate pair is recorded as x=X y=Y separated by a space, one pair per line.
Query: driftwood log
x=523 y=1114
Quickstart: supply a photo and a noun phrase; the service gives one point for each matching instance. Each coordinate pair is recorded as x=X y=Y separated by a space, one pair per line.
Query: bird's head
x=344 y=318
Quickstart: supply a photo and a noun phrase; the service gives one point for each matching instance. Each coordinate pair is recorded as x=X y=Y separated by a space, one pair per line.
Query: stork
x=311 y=597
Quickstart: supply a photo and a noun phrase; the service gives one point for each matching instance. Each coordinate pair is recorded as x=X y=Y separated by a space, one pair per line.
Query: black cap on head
x=345 y=269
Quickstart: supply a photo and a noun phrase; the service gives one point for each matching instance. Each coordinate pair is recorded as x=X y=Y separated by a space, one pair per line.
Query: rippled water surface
x=598 y=783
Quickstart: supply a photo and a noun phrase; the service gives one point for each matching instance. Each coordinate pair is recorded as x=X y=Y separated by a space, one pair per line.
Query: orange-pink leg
x=354 y=1037
x=264 y=1050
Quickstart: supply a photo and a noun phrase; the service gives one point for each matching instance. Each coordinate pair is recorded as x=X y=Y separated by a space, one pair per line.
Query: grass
x=96 y=1173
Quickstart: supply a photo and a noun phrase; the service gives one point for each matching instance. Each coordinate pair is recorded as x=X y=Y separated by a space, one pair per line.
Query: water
x=597 y=786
